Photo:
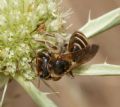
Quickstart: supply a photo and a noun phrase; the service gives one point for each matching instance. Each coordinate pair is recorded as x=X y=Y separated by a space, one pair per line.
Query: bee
x=52 y=66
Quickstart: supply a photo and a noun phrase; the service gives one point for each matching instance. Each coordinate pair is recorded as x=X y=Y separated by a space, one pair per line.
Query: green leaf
x=91 y=29
x=4 y=92
x=39 y=97
x=98 y=69
x=101 y=24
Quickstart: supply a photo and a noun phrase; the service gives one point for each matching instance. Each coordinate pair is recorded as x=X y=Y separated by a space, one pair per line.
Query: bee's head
x=43 y=65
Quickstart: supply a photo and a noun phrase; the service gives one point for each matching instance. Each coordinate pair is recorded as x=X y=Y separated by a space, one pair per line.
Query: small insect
x=40 y=28
x=52 y=66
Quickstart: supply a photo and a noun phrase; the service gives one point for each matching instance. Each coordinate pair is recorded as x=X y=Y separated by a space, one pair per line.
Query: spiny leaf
x=98 y=69
x=101 y=24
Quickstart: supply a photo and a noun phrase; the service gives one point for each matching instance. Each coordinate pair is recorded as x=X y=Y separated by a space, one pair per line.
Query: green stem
x=40 y=98
x=101 y=24
x=3 y=79
x=4 y=92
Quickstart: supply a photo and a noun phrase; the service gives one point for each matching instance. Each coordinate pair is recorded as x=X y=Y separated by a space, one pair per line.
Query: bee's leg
x=70 y=73
x=56 y=78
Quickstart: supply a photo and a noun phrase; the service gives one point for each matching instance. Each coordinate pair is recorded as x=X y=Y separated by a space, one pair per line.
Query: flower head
x=17 y=45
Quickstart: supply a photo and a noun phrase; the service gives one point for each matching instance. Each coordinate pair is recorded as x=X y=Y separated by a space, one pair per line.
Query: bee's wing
x=80 y=49
x=85 y=54
x=81 y=41
x=66 y=56
x=81 y=56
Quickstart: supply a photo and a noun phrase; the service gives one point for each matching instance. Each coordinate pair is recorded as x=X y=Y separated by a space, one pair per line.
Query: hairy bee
x=78 y=51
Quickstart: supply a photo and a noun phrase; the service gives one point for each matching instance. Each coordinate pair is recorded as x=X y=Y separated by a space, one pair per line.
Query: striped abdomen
x=77 y=42
x=80 y=49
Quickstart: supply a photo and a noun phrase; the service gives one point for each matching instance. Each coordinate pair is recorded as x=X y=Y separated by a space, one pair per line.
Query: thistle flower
x=23 y=21
x=18 y=19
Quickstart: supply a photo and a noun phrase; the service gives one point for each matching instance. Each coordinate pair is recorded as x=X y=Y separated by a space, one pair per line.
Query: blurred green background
x=82 y=91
